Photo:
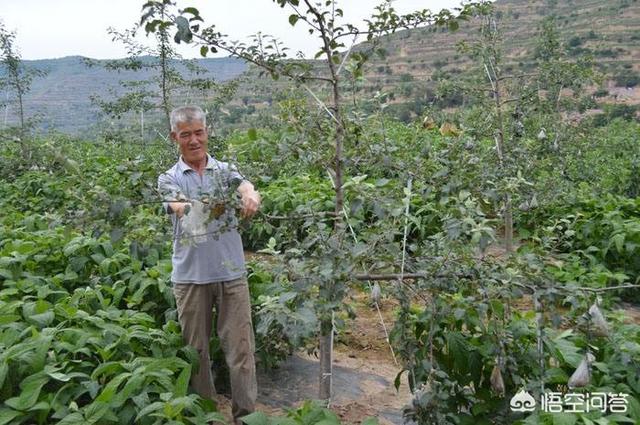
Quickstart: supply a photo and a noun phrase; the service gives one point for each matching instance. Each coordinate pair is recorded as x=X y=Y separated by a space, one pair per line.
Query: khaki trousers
x=195 y=304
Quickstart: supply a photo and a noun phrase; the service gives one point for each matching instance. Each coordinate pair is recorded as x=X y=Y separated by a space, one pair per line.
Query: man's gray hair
x=188 y=113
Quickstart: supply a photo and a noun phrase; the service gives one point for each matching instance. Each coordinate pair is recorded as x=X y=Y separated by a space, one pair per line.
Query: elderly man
x=211 y=272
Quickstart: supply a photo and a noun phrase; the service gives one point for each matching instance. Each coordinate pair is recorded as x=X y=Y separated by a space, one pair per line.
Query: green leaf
x=570 y=353
x=396 y=381
x=150 y=408
x=133 y=386
x=458 y=349
x=479 y=409
x=203 y=51
x=328 y=421
x=214 y=417
x=533 y=419
x=634 y=408
x=7 y=415
x=4 y=368
x=252 y=133
x=42 y=319
x=184 y=32
x=41 y=405
x=556 y=375
x=58 y=376
x=182 y=383
x=618 y=241
x=150 y=27
x=620 y=419
x=256 y=418
x=498 y=307
x=110 y=389
x=108 y=368
x=95 y=411
x=191 y=10
x=586 y=420
x=9 y=318
x=31 y=388
x=73 y=419
x=564 y=418
x=39 y=313
x=293 y=19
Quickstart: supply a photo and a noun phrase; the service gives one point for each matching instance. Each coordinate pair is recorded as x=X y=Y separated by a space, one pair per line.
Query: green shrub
x=627 y=79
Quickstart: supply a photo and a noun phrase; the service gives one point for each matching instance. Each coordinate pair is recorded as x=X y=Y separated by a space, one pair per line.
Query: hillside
x=61 y=100
x=609 y=31
x=415 y=60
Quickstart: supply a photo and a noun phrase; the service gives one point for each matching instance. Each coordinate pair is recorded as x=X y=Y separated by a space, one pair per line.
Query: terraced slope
x=607 y=30
x=610 y=31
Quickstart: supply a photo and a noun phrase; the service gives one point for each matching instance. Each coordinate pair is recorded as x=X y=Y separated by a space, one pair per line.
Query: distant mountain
x=416 y=59
x=609 y=31
x=61 y=99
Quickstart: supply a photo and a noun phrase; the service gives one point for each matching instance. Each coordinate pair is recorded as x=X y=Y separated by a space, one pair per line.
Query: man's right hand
x=178 y=208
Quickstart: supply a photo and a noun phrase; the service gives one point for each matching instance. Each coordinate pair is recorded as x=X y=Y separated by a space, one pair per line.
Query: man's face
x=192 y=139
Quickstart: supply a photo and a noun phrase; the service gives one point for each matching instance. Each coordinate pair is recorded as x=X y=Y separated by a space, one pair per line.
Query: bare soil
x=364 y=347
x=364 y=373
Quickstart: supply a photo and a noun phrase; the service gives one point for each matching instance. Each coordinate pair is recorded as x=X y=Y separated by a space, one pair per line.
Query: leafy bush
x=601 y=93
x=474 y=345
x=88 y=327
x=613 y=112
x=601 y=237
x=627 y=79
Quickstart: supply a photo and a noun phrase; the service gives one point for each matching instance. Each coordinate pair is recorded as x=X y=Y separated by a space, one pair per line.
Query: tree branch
x=299 y=216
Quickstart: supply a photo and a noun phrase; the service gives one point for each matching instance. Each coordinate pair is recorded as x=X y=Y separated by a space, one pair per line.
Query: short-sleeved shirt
x=217 y=256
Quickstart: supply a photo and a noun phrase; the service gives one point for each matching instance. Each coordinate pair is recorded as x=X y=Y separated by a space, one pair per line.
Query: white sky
x=57 y=28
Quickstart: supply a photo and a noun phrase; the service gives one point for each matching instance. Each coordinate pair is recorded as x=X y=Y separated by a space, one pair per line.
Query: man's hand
x=178 y=208
x=250 y=199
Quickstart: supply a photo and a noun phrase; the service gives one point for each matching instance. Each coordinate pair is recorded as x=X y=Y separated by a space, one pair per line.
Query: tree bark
x=164 y=46
x=163 y=82
x=326 y=361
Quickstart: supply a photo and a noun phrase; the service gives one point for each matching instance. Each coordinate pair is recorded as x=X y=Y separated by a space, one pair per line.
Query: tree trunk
x=142 y=125
x=21 y=107
x=508 y=209
x=164 y=57
x=23 y=142
x=326 y=327
x=6 y=110
x=165 y=95
x=326 y=360
x=508 y=225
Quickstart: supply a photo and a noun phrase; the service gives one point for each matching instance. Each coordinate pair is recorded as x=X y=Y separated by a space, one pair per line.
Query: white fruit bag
x=582 y=376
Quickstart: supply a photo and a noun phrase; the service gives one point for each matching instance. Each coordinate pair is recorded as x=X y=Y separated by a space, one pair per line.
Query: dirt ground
x=364 y=372
x=364 y=347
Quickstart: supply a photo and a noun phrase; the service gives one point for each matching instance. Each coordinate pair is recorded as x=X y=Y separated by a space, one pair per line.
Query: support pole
x=326 y=359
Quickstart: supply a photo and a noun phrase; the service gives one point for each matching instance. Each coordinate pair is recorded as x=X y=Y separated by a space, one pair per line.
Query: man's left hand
x=250 y=199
